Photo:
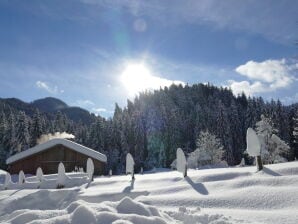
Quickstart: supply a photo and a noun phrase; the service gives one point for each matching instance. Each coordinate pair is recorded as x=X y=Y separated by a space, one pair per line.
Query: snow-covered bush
x=174 y=164
x=90 y=168
x=181 y=162
x=242 y=163
x=209 y=151
x=7 y=181
x=273 y=149
x=39 y=174
x=22 y=178
x=130 y=163
x=61 y=179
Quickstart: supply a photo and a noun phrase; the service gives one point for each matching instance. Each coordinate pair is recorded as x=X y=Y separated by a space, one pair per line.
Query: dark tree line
x=155 y=124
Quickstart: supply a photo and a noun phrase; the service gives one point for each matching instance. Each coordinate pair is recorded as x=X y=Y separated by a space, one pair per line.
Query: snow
x=181 y=161
x=130 y=163
x=253 y=143
x=218 y=196
x=69 y=144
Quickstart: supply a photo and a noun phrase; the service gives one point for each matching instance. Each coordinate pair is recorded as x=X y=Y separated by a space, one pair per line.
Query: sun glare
x=136 y=78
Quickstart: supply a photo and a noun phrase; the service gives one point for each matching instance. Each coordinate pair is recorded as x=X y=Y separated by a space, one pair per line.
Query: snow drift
x=217 y=196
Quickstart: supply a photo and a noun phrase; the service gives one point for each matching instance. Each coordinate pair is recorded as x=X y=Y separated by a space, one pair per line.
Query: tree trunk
x=259 y=163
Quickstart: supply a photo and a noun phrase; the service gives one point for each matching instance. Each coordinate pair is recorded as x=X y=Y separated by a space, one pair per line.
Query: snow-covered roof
x=58 y=141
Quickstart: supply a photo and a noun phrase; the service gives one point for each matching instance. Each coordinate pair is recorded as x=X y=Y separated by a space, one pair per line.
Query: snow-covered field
x=218 y=196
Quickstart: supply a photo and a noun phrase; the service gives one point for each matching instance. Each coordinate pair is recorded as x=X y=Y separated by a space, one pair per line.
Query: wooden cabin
x=49 y=154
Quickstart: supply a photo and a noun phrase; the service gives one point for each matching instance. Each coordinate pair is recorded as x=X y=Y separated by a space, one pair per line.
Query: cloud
x=99 y=110
x=228 y=14
x=84 y=103
x=102 y=112
x=48 y=88
x=246 y=87
x=266 y=76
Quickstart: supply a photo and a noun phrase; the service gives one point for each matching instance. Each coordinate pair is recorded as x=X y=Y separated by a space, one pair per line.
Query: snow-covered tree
x=37 y=128
x=273 y=149
x=60 y=123
x=4 y=151
x=23 y=136
x=295 y=133
x=279 y=148
x=209 y=151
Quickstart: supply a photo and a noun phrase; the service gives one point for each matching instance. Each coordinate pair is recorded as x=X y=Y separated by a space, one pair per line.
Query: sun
x=136 y=78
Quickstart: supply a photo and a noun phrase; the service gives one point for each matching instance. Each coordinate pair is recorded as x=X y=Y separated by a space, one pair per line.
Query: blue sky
x=93 y=53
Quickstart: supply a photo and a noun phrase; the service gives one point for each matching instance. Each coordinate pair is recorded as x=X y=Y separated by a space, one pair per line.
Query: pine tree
x=22 y=131
x=11 y=141
x=60 y=123
x=224 y=131
x=37 y=128
x=295 y=134
x=3 y=130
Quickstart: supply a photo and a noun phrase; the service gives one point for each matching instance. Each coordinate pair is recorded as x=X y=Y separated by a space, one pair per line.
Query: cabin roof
x=58 y=141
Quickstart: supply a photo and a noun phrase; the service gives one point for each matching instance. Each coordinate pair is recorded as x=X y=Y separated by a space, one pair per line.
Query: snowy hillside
x=227 y=195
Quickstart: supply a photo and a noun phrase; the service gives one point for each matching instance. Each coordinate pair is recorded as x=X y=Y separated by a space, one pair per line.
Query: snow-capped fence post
x=181 y=162
x=22 y=178
x=142 y=170
x=61 y=176
x=254 y=147
x=130 y=163
x=7 y=181
x=90 y=169
x=39 y=174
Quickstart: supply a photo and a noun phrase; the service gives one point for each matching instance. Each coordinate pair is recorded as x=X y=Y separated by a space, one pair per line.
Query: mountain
x=52 y=105
x=49 y=106
x=15 y=105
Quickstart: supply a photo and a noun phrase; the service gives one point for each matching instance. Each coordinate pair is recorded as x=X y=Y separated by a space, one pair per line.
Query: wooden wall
x=49 y=159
